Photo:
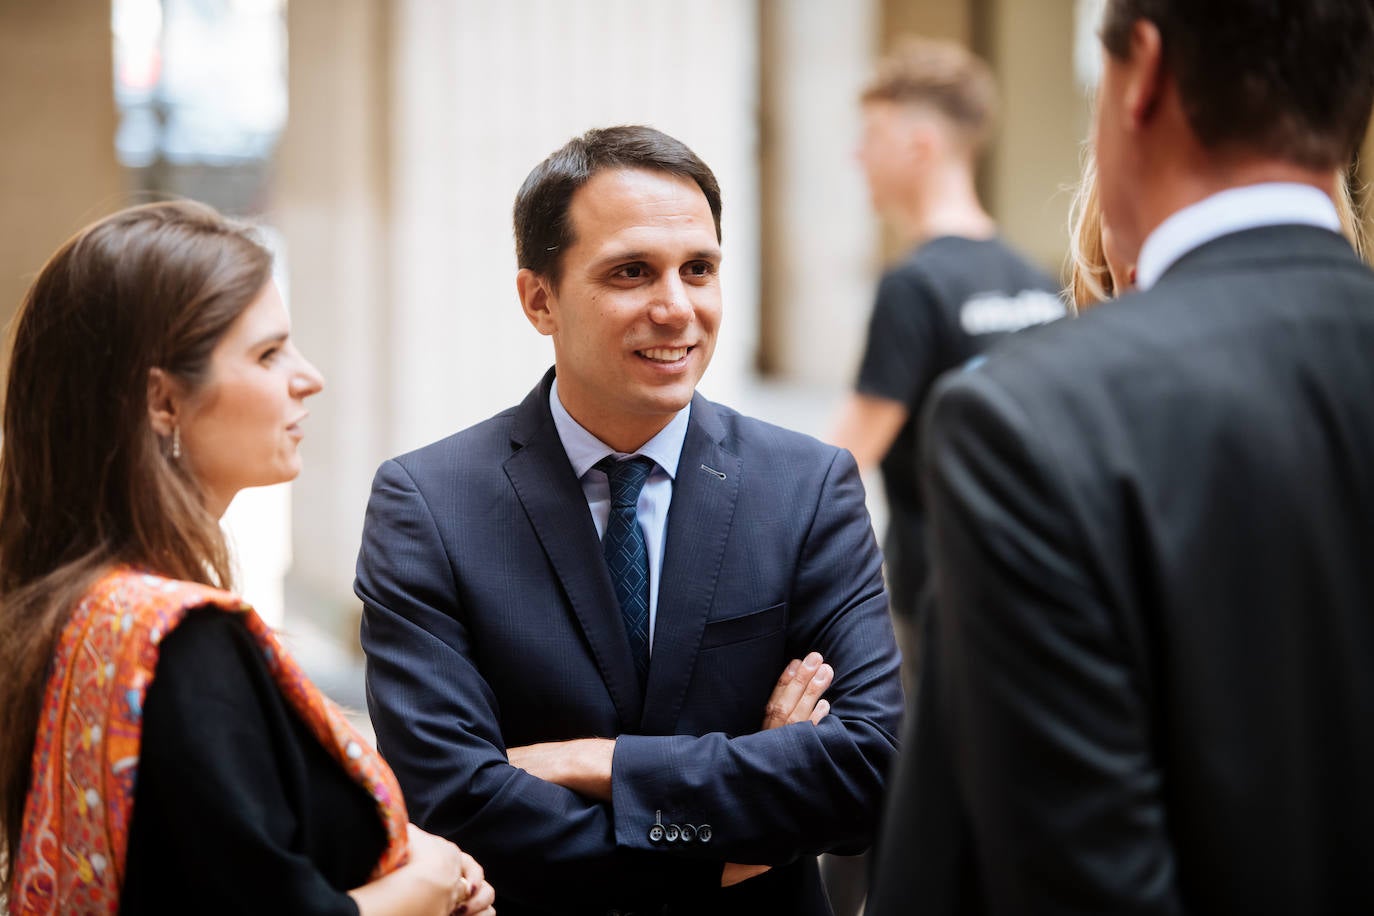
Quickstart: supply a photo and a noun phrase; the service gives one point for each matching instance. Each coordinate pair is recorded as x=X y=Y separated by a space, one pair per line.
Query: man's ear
x=1145 y=81
x=919 y=137
x=537 y=299
x=164 y=398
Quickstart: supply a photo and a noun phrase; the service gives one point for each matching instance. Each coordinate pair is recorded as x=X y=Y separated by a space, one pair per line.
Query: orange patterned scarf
x=85 y=759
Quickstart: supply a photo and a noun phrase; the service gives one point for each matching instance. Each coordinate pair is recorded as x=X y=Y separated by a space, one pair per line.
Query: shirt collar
x=1232 y=210
x=585 y=450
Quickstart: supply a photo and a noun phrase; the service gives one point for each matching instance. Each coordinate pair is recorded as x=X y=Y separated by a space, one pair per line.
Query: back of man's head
x=1286 y=79
x=943 y=77
x=542 y=227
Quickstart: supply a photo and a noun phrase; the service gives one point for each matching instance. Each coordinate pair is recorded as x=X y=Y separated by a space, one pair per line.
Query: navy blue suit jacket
x=490 y=622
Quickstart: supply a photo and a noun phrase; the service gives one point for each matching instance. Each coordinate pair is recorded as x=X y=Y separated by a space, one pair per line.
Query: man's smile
x=665 y=354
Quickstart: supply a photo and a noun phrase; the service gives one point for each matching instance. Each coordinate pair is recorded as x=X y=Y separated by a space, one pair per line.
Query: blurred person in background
x=159 y=751
x=929 y=112
x=579 y=614
x=1149 y=678
x=928 y=115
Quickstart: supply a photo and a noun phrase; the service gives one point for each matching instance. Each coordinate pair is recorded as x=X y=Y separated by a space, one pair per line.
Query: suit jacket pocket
x=731 y=630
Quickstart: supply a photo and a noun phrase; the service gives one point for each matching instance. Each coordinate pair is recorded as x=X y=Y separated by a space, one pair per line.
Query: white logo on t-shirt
x=991 y=313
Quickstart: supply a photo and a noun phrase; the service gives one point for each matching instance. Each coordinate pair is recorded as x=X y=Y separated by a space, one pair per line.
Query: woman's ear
x=164 y=398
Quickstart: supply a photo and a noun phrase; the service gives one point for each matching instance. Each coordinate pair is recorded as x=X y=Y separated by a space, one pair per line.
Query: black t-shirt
x=948 y=301
x=238 y=808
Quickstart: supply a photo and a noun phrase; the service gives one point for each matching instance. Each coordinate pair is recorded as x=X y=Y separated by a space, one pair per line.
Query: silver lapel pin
x=713 y=471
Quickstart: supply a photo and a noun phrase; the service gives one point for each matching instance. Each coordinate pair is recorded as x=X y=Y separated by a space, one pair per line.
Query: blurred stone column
x=820 y=238
x=57 y=163
x=332 y=204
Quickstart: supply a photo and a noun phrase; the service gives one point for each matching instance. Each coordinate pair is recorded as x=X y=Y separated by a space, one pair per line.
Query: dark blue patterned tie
x=626 y=556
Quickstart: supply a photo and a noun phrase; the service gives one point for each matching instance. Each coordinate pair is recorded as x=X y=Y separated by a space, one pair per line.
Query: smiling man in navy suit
x=628 y=645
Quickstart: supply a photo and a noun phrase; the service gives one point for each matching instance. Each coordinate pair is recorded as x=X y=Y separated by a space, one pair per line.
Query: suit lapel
x=557 y=510
x=699 y=520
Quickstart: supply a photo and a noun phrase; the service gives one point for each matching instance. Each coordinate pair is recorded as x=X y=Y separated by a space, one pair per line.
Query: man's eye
x=632 y=271
x=700 y=269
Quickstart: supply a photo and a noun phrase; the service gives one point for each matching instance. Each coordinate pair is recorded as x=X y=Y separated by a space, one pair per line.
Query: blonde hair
x=1352 y=226
x=1090 y=280
x=943 y=75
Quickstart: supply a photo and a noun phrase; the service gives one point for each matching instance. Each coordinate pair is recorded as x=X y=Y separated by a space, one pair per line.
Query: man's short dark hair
x=542 y=228
x=1293 y=79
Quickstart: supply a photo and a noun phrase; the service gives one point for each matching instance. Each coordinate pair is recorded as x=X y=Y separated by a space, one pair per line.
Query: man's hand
x=583 y=764
x=797 y=696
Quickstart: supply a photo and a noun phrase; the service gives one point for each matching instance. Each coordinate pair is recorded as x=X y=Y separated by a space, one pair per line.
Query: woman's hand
x=437 y=865
x=481 y=897
x=438 y=879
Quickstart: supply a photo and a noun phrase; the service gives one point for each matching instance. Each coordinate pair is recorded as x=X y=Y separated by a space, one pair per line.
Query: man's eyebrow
x=639 y=254
x=622 y=257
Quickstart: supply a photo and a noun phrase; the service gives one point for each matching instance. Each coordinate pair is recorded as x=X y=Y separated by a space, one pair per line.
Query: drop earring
x=176 y=442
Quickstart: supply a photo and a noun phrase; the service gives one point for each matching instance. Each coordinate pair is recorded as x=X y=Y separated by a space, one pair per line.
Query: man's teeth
x=665 y=354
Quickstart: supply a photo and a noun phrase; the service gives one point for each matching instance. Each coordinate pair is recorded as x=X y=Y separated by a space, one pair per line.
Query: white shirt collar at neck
x=585 y=450
x=1232 y=210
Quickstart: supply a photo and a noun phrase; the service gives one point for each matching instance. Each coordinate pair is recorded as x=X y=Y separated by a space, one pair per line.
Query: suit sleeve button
x=704 y=833
x=671 y=833
x=689 y=833
x=656 y=833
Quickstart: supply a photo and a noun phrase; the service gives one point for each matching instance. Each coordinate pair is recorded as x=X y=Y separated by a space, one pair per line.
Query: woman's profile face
x=243 y=427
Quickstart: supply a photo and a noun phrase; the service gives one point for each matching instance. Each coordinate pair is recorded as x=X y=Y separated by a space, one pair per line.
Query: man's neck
x=944 y=203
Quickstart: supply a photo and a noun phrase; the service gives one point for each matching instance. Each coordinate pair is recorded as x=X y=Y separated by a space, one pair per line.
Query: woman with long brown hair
x=159 y=751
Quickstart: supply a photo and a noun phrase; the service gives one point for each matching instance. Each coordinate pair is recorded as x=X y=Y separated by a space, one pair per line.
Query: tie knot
x=626 y=477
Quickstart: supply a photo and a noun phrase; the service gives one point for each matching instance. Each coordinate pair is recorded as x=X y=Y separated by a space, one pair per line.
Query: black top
x=238 y=808
x=1149 y=677
x=948 y=301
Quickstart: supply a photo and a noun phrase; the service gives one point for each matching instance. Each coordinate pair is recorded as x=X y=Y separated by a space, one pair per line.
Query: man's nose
x=671 y=304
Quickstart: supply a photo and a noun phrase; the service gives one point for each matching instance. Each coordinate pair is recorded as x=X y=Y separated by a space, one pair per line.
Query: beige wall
x=931 y=18
x=57 y=160
x=1035 y=163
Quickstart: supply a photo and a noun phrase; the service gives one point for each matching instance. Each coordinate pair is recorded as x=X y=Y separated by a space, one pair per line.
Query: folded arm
x=437 y=723
x=802 y=788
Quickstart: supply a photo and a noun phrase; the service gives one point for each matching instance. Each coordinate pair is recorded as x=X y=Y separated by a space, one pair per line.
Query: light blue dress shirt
x=585 y=450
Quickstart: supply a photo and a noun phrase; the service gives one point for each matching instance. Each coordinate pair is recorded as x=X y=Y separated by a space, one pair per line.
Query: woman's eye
x=268 y=356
